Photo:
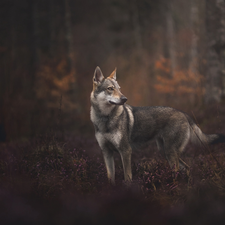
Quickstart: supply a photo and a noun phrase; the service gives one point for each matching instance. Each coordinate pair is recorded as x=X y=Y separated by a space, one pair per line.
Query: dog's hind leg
x=169 y=153
x=110 y=165
x=172 y=157
x=160 y=145
x=173 y=148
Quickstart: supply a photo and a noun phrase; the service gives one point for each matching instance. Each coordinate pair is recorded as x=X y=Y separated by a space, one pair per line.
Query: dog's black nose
x=123 y=99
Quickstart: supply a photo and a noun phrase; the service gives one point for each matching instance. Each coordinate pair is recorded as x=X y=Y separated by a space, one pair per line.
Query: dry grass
x=46 y=181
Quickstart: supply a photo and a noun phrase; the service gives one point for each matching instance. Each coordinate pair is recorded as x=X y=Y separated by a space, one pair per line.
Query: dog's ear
x=113 y=75
x=98 y=76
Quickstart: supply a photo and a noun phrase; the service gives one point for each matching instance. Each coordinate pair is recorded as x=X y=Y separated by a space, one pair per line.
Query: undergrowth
x=55 y=180
x=47 y=169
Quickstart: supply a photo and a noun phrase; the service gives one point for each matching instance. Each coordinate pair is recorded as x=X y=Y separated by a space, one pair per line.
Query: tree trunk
x=69 y=39
x=52 y=29
x=215 y=31
x=194 y=39
x=171 y=38
x=136 y=26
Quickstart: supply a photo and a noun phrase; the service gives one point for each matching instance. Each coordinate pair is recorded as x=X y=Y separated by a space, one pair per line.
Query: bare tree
x=194 y=39
x=171 y=37
x=69 y=38
x=52 y=28
x=136 y=25
x=215 y=71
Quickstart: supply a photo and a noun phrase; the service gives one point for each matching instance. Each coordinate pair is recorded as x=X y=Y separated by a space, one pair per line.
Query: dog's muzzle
x=121 y=101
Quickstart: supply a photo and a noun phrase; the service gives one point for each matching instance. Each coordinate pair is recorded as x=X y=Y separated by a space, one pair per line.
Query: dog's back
x=154 y=122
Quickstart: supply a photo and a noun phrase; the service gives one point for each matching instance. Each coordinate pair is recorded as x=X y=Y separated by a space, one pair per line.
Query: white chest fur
x=114 y=138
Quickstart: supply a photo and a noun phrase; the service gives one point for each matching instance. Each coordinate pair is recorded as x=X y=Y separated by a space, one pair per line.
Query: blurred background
x=166 y=53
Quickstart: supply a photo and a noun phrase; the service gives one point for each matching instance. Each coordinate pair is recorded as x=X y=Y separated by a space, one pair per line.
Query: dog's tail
x=198 y=137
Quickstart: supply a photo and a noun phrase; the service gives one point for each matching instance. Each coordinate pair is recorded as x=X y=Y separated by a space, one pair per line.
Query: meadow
x=55 y=180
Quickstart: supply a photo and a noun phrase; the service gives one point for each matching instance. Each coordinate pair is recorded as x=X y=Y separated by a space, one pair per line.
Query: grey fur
x=122 y=128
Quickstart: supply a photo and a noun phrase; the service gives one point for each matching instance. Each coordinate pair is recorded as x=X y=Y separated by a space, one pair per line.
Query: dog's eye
x=110 y=88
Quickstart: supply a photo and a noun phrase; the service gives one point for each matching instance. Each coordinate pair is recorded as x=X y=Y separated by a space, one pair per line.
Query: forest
x=167 y=53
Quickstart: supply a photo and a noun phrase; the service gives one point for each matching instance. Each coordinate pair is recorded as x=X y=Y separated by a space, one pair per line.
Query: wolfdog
x=120 y=127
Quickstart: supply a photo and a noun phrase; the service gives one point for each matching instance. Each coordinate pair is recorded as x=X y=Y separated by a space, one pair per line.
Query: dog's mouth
x=116 y=103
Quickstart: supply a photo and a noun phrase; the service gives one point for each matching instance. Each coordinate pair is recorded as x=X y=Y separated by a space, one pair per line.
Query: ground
x=50 y=180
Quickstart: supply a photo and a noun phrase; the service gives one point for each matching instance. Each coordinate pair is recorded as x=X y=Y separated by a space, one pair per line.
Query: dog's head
x=107 y=90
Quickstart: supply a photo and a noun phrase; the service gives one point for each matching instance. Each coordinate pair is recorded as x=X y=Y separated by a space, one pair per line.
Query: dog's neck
x=106 y=110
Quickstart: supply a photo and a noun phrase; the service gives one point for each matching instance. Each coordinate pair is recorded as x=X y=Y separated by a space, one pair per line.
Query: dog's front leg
x=109 y=163
x=126 y=160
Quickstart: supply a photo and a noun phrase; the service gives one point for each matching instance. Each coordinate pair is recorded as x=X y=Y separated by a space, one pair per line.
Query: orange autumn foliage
x=53 y=82
x=181 y=82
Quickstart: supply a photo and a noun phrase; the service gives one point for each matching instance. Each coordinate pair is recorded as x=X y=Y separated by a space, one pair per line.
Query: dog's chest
x=106 y=130
x=113 y=138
